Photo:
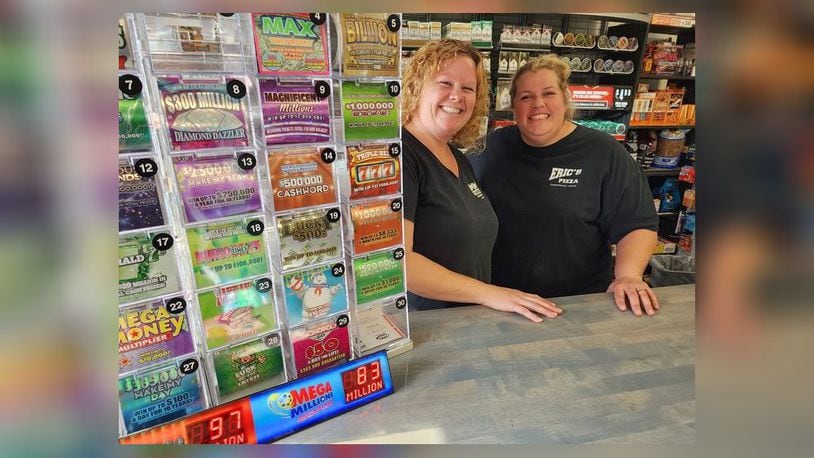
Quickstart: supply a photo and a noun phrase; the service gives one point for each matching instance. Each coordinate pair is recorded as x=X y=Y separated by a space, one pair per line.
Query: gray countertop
x=593 y=375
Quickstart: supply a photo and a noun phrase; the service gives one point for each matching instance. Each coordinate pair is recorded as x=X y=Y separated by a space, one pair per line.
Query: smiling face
x=539 y=107
x=448 y=99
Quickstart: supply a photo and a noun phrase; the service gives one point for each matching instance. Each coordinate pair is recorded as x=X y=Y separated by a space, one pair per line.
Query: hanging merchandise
x=670 y=195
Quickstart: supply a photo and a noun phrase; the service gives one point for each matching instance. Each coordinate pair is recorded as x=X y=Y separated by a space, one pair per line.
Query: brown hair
x=555 y=64
x=428 y=62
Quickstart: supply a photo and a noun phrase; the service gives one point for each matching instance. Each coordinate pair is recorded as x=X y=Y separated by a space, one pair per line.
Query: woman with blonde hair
x=563 y=194
x=450 y=226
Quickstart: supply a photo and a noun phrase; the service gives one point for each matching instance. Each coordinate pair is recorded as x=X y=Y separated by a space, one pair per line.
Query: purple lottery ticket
x=202 y=115
x=214 y=187
x=292 y=113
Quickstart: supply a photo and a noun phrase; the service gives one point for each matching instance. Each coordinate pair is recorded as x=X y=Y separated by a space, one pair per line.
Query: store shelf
x=521 y=47
x=669 y=29
x=654 y=172
x=414 y=45
x=650 y=76
x=661 y=126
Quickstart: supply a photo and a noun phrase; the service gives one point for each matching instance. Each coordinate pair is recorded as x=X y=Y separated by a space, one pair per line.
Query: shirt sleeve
x=627 y=203
x=412 y=183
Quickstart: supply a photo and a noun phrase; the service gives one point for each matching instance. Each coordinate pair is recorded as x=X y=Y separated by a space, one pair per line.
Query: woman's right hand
x=512 y=300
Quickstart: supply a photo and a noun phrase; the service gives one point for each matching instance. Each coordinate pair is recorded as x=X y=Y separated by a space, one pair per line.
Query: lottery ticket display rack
x=260 y=221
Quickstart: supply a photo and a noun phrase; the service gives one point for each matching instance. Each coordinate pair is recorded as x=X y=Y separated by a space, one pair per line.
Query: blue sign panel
x=288 y=408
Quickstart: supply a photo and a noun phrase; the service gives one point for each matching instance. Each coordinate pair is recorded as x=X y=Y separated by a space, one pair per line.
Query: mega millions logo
x=295 y=403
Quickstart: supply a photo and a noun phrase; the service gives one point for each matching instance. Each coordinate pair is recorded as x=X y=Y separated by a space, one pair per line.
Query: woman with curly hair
x=450 y=227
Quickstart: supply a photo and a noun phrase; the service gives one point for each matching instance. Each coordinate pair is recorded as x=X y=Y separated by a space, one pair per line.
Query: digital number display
x=231 y=424
x=362 y=381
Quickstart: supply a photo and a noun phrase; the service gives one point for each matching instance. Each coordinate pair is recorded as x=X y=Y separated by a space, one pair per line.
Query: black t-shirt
x=455 y=225
x=560 y=207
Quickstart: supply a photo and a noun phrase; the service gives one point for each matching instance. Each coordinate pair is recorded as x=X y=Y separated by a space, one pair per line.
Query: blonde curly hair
x=428 y=62
x=555 y=64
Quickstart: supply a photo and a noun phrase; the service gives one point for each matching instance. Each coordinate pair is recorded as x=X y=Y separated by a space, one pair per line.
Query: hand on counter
x=512 y=300
x=635 y=291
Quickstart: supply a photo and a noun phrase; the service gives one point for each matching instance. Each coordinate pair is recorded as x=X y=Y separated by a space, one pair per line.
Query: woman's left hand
x=635 y=291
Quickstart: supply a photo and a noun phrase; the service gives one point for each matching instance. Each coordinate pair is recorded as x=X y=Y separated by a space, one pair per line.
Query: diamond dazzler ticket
x=202 y=115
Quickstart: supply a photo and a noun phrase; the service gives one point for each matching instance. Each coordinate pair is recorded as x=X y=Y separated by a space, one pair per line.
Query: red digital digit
x=196 y=433
x=375 y=371
x=361 y=375
x=215 y=428
x=233 y=423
